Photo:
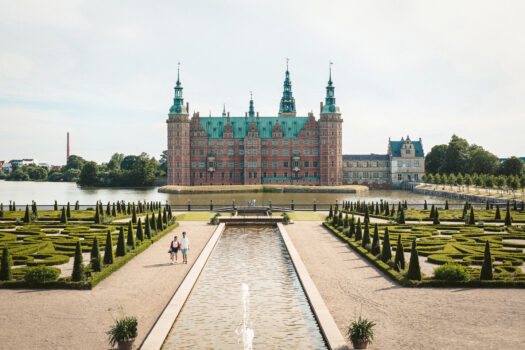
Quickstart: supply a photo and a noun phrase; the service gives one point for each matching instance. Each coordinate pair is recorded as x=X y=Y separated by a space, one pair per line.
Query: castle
x=253 y=149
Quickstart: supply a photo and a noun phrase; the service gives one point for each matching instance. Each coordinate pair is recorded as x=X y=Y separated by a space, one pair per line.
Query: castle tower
x=178 y=139
x=287 y=105
x=330 y=139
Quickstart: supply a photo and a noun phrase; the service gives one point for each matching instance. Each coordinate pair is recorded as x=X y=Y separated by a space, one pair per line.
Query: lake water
x=248 y=296
x=45 y=193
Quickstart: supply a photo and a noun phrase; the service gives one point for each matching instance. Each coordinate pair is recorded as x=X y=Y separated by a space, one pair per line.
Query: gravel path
x=73 y=319
x=407 y=318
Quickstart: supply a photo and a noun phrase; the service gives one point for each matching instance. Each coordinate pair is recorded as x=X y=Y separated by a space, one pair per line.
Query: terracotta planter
x=126 y=345
x=360 y=344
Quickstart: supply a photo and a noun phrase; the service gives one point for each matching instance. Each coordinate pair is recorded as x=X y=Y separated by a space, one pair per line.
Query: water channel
x=248 y=296
x=45 y=193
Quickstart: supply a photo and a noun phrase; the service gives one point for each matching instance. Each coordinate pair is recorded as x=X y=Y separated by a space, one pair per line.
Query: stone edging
x=157 y=335
x=333 y=337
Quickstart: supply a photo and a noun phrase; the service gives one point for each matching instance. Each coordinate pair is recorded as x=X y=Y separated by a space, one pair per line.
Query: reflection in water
x=248 y=294
x=47 y=192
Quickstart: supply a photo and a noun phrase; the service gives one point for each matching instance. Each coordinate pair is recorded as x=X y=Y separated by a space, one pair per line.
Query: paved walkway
x=407 y=318
x=73 y=319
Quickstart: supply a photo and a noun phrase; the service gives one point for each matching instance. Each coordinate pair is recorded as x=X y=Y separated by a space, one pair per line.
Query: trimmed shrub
x=27 y=216
x=96 y=263
x=78 y=267
x=131 y=236
x=446 y=204
x=140 y=232
x=55 y=207
x=5 y=270
x=63 y=216
x=68 y=210
x=41 y=274
x=358 y=231
x=451 y=272
x=108 y=250
x=386 y=251
x=508 y=219
x=486 y=268
x=414 y=271
x=375 y=242
x=401 y=218
x=147 y=227
x=471 y=219
x=121 y=244
x=498 y=214
x=425 y=206
x=436 y=217
x=366 y=236
x=432 y=211
x=134 y=215
x=399 y=259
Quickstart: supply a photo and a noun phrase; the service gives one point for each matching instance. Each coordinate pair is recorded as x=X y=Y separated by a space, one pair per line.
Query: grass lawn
x=196 y=216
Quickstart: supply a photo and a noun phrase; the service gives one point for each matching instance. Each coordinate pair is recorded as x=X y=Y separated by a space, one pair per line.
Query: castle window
x=265 y=165
x=275 y=152
x=306 y=173
x=201 y=165
x=230 y=143
x=400 y=163
x=408 y=164
x=201 y=152
x=200 y=175
x=306 y=164
x=274 y=174
x=230 y=165
x=230 y=152
x=296 y=152
x=264 y=151
x=416 y=177
x=306 y=152
x=285 y=174
x=264 y=174
x=416 y=163
x=241 y=152
x=241 y=143
x=264 y=143
x=399 y=177
x=275 y=142
x=316 y=151
x=285 y=164
x=285 y=142
x=285 y=151
x=220 y=151
x=315 y=164
x=193 y=164
x=241 y=164
x=274 y=164
x=219 y=164
x=333 y=164
x=222 y=175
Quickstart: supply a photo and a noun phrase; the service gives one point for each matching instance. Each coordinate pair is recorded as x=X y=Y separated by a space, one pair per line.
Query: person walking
x=174 y=249
x=184 y=247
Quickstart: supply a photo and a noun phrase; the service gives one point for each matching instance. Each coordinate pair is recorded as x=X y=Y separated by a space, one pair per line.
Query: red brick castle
x=252 y=149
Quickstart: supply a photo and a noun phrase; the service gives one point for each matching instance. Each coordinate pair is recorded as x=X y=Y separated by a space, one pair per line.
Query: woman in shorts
x=174 y=249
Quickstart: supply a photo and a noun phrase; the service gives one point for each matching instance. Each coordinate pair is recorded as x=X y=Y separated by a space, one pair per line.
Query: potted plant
x=123 y=333
x=361 y=333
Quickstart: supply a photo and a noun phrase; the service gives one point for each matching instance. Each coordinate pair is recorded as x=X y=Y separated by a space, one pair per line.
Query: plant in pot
x=123 y=333
x=361 y=333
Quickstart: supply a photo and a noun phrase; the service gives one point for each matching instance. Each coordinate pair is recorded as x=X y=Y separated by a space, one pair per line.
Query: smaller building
x=403 y=163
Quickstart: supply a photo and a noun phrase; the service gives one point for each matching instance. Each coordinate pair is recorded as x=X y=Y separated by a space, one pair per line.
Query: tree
x=27 y=216
x=399 y=259
x=386 y=251
x=358 y=231
x=78 y=267
x=468 y=180
x=128 y=162
x=434 y=159
x=508 y=218
x=74 y=162
x=140 y=232
x=18 y=175
x=471 y=218
x=121 y=244
x=96 y=263
x=446 y=204
x=98 y=216
x=460 y=179
x=489 y=180
x=5 y=270
x=89 y=174
x=134 y=215
x=414 y=271
x=131 y=236
x=501 y=181
x=68 y=211
x=432 y=212
x=375 y=242
x=147 y=227
x=497 y=216
x=401 y=219
x=486 y=268
x=425 y=206
x=481 y=161
x=330 y=213
x=436 y=217
x=456 y=155
x=511 y=166
x=108 y=250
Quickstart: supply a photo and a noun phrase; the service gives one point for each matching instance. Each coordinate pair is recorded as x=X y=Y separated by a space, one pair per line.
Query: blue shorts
x=175 y=250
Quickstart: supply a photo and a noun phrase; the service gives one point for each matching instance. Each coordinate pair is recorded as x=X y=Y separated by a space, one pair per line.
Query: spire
x=251 y=111
x=287 y=106
x=224 y=110
x=330 y=106
x=178 y=101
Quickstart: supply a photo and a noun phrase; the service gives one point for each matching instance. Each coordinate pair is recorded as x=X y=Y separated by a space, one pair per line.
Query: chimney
x=67 y=147
x=228 y=114
x=321 y=107
x=246 y=114
x=257 y=114
x=188 y=107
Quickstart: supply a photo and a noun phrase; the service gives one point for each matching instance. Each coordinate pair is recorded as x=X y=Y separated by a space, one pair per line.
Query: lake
x=45 y=193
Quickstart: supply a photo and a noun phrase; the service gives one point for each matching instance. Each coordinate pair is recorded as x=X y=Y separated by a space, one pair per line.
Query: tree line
x=481 y=180
x=459 y=157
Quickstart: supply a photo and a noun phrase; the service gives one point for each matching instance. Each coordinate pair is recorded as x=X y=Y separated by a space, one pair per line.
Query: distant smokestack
x=67 y=147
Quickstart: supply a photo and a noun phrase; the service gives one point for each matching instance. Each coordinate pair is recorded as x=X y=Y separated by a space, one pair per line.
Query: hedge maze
x=46 y=240
x=458 y=246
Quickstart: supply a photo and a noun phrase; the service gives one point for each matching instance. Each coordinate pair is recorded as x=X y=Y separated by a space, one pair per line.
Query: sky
x=105 y=70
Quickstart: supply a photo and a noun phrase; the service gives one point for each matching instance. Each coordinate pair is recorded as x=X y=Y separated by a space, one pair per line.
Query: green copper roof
x=291 y=126
x=395 y=148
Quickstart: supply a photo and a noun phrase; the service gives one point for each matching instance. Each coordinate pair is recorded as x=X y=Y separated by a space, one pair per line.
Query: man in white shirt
x=184 y=247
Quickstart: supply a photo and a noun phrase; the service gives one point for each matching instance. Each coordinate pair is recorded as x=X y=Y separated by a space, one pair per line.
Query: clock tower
x=287 y=106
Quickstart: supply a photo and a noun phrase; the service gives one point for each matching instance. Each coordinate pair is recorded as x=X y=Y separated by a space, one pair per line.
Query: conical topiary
x=5 y=269
x=425 y=206
x=27 y=216
x=486 y=268
x=153 y=222
x=1 y=210
x=401 y=219
x=121 y=244
x=487 y=205
x=358 y=231
x=97 y=216
x=108 y=250
x=508 y=219
x=330 y=213
x=436 y=217
x=78 y=267
x=386 y=250
x=376 y=249
x=68 y=210
x=147 y=227
x=351 y=232
x=113 y=210
x=446 y=204
x=140 y=232
x=131 y=236
x=159 y=222
x=55 y=207
x=432 y=211
x=366 y=236
x=96 y=263
x=414 y=271
x=471 y=218
x=134 y=215
x=399 y=258
x=498 y=214
x=63 y=216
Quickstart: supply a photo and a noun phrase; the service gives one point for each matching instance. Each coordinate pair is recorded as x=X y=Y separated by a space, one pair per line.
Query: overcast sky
x=105 y=70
